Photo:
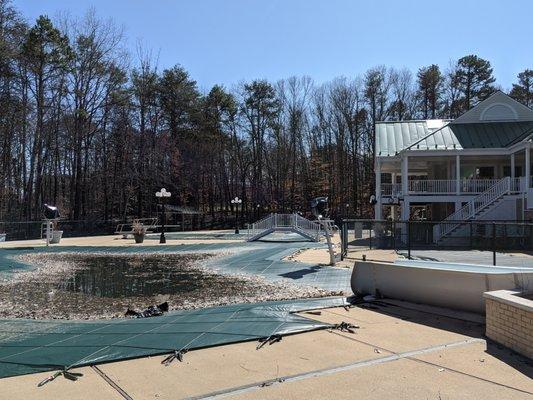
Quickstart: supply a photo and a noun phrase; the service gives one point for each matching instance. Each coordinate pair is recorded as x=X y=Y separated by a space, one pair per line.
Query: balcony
x=449 y=187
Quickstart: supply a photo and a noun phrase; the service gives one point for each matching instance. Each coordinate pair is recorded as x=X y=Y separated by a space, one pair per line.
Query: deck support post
x=378 y=207
x=405 y=175
x=528 y=166
x=458 y=174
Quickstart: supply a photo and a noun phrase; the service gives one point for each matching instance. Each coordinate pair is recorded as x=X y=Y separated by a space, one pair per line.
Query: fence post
x=344 y=240
x=370 y=236
x=471 y=237
x=408 y=239
x=493 y=243
x=394 y=234
x=506 y=244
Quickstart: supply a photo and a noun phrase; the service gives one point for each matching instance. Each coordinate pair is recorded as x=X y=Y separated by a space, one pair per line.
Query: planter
x=56 y=237
x=139 y=238
x=2 y=237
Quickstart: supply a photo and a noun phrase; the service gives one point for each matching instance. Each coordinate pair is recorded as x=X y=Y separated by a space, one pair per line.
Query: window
x=517 y=170
x=485 y=173
x=468 y=172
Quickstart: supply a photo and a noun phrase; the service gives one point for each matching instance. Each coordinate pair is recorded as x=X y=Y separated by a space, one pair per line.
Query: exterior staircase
x=474 y=209
x=285 y=223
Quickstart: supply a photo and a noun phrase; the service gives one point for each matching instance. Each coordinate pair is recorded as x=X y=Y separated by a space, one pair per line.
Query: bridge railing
x=286 y=221
x=311 y=227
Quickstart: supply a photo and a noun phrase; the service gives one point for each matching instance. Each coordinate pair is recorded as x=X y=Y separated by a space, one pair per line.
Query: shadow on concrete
x=300 y=273
x=520 y=363
x=456 y=325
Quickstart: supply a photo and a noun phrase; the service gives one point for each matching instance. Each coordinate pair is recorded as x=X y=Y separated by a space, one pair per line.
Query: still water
x=124 y=276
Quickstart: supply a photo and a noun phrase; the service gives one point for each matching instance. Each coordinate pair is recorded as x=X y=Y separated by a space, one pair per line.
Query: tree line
x=88 y=127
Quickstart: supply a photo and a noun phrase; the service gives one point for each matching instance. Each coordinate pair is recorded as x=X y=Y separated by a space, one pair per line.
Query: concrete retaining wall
x=444 y=288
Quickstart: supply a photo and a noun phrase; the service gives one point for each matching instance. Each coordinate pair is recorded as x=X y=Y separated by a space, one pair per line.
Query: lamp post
x=236 y=201
x=161 y=195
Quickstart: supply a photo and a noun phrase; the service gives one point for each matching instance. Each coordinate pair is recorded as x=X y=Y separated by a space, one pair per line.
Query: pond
x=99 y=285
x=111 y=276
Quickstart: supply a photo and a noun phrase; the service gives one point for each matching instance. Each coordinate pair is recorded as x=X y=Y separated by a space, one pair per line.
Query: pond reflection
x=130 y=276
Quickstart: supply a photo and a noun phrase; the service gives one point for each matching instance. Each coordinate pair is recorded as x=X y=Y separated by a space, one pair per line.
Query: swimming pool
x=451 y=285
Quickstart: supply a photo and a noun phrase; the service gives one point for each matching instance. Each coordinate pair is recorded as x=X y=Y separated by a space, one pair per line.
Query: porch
x=449 y=187
x=454 y=172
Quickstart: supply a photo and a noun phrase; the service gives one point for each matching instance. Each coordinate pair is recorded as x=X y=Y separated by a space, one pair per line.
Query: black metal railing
x=494 y=236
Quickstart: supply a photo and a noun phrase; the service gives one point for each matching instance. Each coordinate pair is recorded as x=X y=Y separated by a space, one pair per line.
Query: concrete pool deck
x=397 y=352
x=400 y=352
x=507 y=259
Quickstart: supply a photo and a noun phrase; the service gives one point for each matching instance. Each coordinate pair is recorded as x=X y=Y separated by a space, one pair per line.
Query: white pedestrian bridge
x=285 y=223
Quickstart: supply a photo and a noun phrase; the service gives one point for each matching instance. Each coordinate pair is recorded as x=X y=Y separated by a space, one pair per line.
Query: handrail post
x=408 y=239
x=494 y=244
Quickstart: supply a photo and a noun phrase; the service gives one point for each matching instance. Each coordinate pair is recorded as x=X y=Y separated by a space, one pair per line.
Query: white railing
x=436 y=186
x=283 y=222
x=449 y=186
x=391 y=189
x=312 y=228
x=477 y=185
x=261 y=225
x=518 y=185
x=473 y=207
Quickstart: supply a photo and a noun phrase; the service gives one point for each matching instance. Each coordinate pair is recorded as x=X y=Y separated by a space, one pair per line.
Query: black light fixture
x=236 y=202
x=50 y=212
x=319 y=207
x=162 y=195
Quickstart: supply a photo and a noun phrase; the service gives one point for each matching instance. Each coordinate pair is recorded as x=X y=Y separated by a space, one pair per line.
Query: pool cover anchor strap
x=177 y=355
x=73 y=376
x=346 y=327
x=270 y=340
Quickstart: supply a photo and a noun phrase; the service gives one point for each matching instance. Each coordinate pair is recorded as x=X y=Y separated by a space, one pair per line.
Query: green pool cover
x=28 y=346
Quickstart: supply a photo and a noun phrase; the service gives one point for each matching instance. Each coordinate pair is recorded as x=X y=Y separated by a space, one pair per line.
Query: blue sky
x=227 y=41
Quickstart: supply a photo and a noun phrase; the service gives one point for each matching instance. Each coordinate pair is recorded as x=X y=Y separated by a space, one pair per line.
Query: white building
x=476 y=167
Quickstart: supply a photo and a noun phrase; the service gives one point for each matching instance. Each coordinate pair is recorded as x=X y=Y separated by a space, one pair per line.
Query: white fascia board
x=463 y=152
x=383 y=159
x=520 y=145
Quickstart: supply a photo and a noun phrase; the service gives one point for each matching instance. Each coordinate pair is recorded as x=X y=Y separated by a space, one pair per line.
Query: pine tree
x=430 y=82
x=474 y=81
x=523 y=90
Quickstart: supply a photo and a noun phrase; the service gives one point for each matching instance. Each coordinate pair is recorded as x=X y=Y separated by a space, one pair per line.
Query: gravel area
x=95 y=286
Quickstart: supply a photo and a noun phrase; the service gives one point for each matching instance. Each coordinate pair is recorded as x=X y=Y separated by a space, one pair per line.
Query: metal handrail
x=286 y=221
x=474 y=206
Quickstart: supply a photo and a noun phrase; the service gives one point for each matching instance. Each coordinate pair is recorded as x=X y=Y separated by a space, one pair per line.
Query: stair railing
x=472 y=208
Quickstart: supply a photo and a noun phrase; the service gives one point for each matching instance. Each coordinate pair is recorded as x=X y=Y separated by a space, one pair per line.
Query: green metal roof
x=483 y=135
x=394 y=137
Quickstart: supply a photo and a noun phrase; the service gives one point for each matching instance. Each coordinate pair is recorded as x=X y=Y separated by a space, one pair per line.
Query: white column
x=405 y=176
x=393 y=208
x=405 y=210
x=528 y=166
x=458 y=174
x=377 y=212
x=512 y=166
